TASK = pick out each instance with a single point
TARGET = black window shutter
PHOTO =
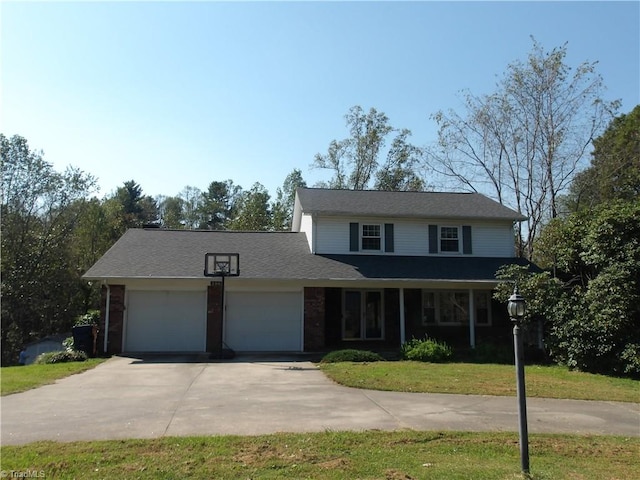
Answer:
(466, 240)
(433, 239)
(354, 237)
(388, 237)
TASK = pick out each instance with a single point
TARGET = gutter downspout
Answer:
(106, 316)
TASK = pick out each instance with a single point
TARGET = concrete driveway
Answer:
(134, 398)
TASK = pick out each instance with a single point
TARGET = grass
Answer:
(482, 379)
(19, 379)
(333, 455)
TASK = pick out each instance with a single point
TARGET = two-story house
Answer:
(360, 269)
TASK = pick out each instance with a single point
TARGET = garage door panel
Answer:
(166, 321)
(263, 321)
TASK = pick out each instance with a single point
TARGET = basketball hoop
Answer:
(222, 264)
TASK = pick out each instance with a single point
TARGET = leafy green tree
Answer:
(614, 173)
(595, 321)
(355, 161)
(219, 204)
(539, 289)
(282, 208)
(137, 209)
(524, 143)
(399, 173)
(253, 213)
(191, 205)
(171, 211)
(41, 208)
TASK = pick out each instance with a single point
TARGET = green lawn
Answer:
(333, 455)
(482, 379)
(19, 379)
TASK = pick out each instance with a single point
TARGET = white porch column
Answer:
(402, 325)
(472, 320)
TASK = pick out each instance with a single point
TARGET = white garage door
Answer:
(264, 321)
(166, 321)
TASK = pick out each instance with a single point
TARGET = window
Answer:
(454, 307)
(449, 239)
(370, 237)
(450, 307)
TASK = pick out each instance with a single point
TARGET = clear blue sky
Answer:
(171, 94)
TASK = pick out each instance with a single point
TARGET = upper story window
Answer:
(450, 239)
(371, 237)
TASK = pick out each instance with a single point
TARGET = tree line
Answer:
(525, 145)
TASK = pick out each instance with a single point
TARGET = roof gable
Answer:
(377, 203)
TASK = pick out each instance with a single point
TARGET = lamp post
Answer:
(516, 309)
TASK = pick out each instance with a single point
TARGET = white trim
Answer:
(403, 334)
(472, 319)
(458, 239)
(379, 237)
(106, 318)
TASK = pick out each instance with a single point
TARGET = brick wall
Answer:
(116, 319)
(314, 319)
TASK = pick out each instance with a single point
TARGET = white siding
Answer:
(332, 235)
(306, 226)
(493, 240)
(411, 237)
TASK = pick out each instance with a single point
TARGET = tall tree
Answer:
(524, 143)
(253, 213)
(219, 204)
(614, 173)
(191, 205)
(171, 212)
(282, 208)
(137, 209)
(597, 254)
(41, 287)
(399, 172)
(355, 160)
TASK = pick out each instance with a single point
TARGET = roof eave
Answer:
(328, 213)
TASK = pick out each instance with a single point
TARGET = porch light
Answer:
(516, 309)
(516, 306)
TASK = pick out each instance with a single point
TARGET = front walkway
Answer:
(132, 398)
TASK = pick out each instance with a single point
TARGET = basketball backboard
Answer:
(221, 265)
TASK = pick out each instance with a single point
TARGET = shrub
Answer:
(92, 317)
(426, 350)
(68, 344)
(351, 355)
(61, 357)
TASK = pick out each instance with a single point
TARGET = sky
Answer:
(174, 94)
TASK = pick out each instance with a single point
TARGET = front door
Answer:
(362, 317)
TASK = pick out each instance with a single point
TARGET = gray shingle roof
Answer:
(157, 253)
(403, 204)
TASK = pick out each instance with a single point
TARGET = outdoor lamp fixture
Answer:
(516, 306)
(516, 309)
